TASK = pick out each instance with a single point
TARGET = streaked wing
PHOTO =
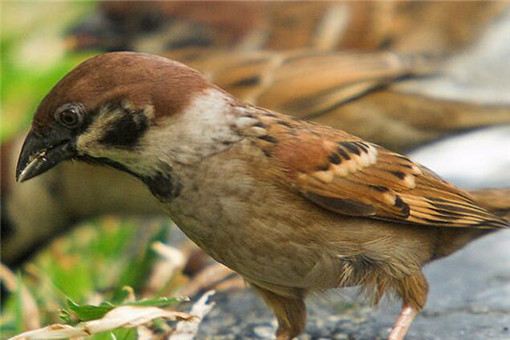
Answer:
(349, 176)
(304, 83)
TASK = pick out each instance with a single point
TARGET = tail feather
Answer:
(495, 200)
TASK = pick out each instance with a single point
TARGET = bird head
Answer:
(127, 110)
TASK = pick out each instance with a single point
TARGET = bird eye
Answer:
(69, 115)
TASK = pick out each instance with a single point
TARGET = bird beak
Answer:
(41, 153)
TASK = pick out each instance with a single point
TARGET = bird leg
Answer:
(290, 312)
(406, 317)
(413, 290)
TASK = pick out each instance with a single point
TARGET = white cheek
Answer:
(204, 128)
(88, 142)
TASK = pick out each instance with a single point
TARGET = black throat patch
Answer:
(165, 186)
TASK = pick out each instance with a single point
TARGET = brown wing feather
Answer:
(305, 82)
(347, 175)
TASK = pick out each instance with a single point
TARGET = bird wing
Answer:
(304, 83)
(350, 176)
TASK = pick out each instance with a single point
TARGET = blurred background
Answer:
(430, 79)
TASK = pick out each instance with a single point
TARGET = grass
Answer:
(91, 265)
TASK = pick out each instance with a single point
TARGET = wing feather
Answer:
(349, 176)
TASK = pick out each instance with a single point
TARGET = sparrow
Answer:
(365, 95)
(406, 26)
(292, 206)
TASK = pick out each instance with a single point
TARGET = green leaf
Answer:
(158, 302)
(136, 274)
(65, 316)
(89, 312)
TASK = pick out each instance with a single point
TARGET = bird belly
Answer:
(261, 248)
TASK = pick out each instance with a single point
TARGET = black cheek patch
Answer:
(125, 131)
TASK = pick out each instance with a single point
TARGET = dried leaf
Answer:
(91, 312)
(120, 317)
(188, 330)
